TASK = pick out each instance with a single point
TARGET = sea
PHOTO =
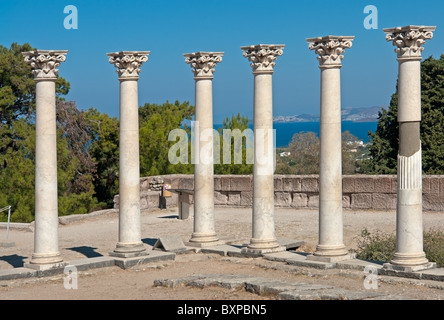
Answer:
(286, 130)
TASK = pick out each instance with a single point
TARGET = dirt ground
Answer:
(97, 236)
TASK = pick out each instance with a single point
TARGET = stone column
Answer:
(128, 65)
(203, 66)
(409, 254)
(44, 65)
(331, 247)
(262, 58)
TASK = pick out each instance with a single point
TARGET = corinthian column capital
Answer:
(44, 63)
(203, 63)
(263, 56)
(330, 49)
(409, 40)
(128, 63)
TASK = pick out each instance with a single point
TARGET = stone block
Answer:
(144, 184)
(361, 201)
(310, 184)
(430, 185)
(313, 201)
(348, 184)
(217, 183)
(383, 184)
(291, 184)
(246, 198)
(234, 198)
(241, 183)
(394, 184)
(278, 183)
(220, 198)
(143, 204)
(346, 201)
(364, 184)
(282, 199)
(384, 201)
(432, 202)
(224, 183)
(152, 199)
(300, 200)
(187, 182)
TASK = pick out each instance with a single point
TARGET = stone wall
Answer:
(376, 192)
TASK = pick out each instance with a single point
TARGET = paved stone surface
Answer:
(280, 289)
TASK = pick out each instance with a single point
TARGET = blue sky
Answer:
(171, 28)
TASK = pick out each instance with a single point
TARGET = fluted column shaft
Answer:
(203, 66)
(128, 68)
(46, 248)
(409, 225)
(329, 50)
(262, 58)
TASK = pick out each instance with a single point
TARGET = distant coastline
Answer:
(369, 114)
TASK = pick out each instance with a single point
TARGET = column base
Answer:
(409, 262)
(330, 253)
(394, 267)
(262, 246)
(129, 250)
(204, 240)
(45, 261)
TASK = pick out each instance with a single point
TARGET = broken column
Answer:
(203, 66)
(409, 254)
(44, 65)
(128, 65)
(262, 58)
(330, 247)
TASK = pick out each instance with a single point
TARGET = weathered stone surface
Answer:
(310, 184)
(234, 199)
(361, 201)
(246, 198)
(220, 198)
(313, 201)
(299, 200)
(385, 201)
(241, 183)
(282, 199)
(383, 184)
(365, 185)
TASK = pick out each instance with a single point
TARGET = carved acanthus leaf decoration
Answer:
(263, 57)
(330, 49)
(128, 63)
(409, 40)
(203, 63)
(44, 63)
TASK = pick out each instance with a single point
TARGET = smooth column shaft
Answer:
(204, 230)
(263, 167)
(330, 178)
(46, 206)
(129, 172)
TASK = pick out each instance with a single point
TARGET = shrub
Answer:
(379, 246)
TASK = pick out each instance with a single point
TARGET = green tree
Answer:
(104, 151)
(17, 142)
(17, 85)
(156, 123)
(234, 138)
(384, 142)
(302, 154)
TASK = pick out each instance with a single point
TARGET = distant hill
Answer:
(369, 114)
